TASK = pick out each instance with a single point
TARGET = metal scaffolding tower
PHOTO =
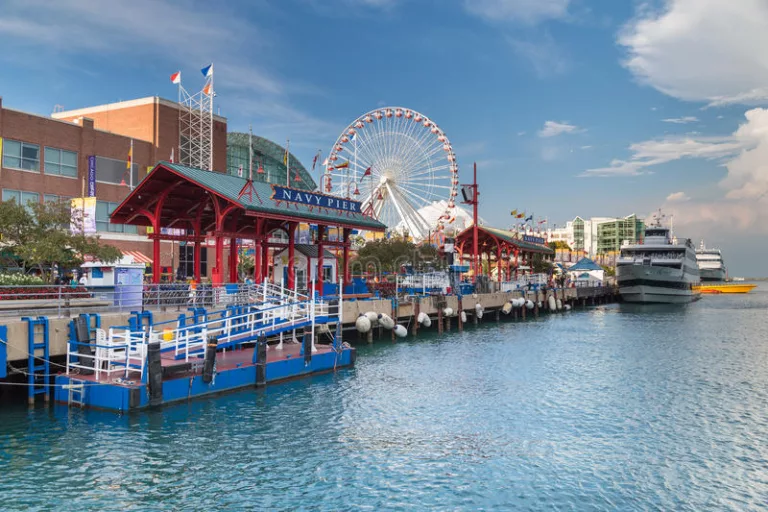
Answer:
(196, 124)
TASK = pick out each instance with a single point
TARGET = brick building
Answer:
(46, 159)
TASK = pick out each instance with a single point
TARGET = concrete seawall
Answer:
(59, 327)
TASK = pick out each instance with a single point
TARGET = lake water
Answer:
(611, 408)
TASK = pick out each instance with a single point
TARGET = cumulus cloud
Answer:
(701, 50)
(681, 120)
(677, 197)
(553, 128)
(525, 11)
(743, 204)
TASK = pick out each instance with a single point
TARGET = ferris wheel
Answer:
(396, 162)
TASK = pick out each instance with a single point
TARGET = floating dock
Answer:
(147, 364)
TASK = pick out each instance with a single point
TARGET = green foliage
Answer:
(539, 265)
(609, 271)
(39, 234)
(19, 280)
(389, 254)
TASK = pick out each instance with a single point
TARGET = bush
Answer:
(19, 280)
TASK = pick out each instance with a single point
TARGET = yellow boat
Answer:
(725, 288)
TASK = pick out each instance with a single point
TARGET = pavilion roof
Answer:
(509, 237)
(191, 186)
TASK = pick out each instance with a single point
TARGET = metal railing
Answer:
(66, 301)
(273, 310)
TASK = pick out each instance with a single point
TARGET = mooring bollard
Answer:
(416, 311)
(460, 311)
(439, 316)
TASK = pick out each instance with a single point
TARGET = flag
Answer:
(240, 171)
(176, 78)
(513, 213)
(342, 165)
(208, 89)
(543, 221)
(325, 162)
(314, 160)
(207, 70)
(172, 155)
(530, 217)
(366, 173)
(130, 157)
(353, 137)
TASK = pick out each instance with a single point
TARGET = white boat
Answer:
(711, 266)
(659, 269)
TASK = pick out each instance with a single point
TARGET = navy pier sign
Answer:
(534, 239)
(304, 197)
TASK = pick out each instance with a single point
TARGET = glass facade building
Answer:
(267, 157)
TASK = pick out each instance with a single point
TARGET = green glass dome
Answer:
(270, 156)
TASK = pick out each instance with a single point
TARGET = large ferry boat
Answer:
(659, 269)
(711, 266)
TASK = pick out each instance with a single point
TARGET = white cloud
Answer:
(656, 152)
(171, 33)
(743, 204)
(525, 11)
(702, 50)
(682, 120)
(554, 128)
(586, 147)
(677, 197)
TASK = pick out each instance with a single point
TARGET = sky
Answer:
(568, 107)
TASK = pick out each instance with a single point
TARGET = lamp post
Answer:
(470, 194)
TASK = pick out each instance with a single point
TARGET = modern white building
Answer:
(431, 214)
(597, 235)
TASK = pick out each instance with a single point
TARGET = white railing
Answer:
(273, 310)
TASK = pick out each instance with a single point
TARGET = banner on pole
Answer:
(92, 176)
(83, 216)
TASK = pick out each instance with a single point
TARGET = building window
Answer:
(21, 155)
(21, 197)
(61, 162)
(53, 198)
(103, 211)
(109, 170)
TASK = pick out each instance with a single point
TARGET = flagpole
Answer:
(288, 162)
(250, 152)
(130, 171)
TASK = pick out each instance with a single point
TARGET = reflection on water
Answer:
(620, 407)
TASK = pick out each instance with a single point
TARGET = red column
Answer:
(218, 270)
(345, 257)
(156, 253)
(197, 258)
(233, 260)
(264, 259)
(258, 274)
(517, 251)
(291, 254)
(320, 257)
(498, 263)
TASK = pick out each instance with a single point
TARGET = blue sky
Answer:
(570, 107)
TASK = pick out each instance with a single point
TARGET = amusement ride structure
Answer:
(395, 161)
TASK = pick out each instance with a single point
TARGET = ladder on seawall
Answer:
(38, 357)
(76, 392)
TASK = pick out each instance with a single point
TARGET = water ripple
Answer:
(616, 408)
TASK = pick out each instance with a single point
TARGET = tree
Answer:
(390, 253)
(39, 234)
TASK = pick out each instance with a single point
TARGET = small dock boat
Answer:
(716, 288)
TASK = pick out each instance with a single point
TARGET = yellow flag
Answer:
(513, 213)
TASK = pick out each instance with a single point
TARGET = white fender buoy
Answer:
(551, 303)
(567, 307)
(559, 304)
(400, 331)
(540, 304)
(507, 307)
(448, 311)
(424, 319)
(528, 304)
(479, 310)
(386, 321)
(520, 302)
(463, 317)
(372, 317)
(362, 324)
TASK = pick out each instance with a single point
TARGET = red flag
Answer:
(366, 173)
(314, 161)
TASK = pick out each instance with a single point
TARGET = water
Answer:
(615, 408)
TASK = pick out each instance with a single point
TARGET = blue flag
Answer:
(207, 70)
